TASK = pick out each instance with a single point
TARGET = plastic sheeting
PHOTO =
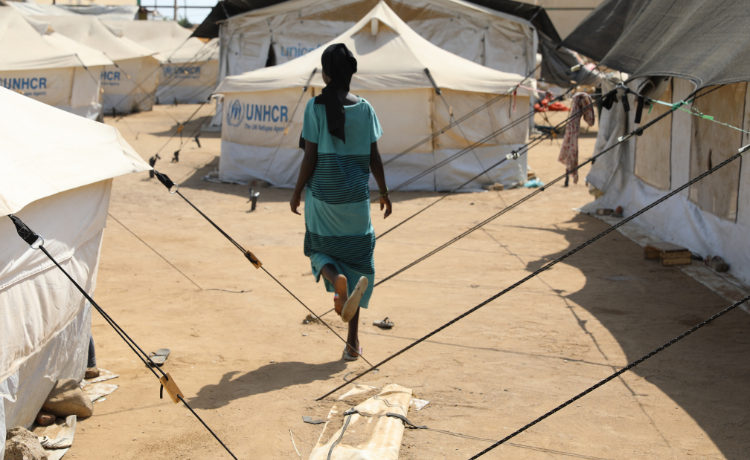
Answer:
(59, 184)
(694, 224)
(704, 41)
(368, 433)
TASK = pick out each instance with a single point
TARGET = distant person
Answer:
(340, 133)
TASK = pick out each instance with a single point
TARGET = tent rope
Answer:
(201, 51)
(154, 250)
(549, 265)
(174, 189)
(35, 241)
(512, 156)
(637, 132)
(613, 376)
(289, 123)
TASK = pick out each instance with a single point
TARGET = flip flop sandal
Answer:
(352, 303)
(159, 357)
(349, 357)
(383, 324)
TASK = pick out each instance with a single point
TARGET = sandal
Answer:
(352, 303)
(159, 357)
(346, 356)
(383, 324)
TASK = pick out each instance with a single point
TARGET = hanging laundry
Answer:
(569, 151)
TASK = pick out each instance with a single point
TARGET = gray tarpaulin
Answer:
(704, 41)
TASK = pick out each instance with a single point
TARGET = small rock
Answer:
(22, 444)
(45, 418)
(304, 334)
(273, 362)
(92, 373)
(67, 398)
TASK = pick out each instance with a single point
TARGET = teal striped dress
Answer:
(338, 229)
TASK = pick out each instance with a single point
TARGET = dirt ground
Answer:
(251, 369)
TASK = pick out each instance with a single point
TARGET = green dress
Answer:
(338, 229)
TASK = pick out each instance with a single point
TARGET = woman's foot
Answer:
(339, 299)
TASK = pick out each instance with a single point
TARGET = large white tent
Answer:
(128, 85)
(392, 60)
(285, 31)
(49, 67)
(59, 184)
(189, 67)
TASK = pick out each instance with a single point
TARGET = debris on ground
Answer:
(717, 263)
(57, 439)
(496, 187)
(604, 211)
(310, 319)
(44, 418)
(22, 444)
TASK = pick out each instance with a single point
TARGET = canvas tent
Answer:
(189, 67)
(392, 60)
(59, 184)
(289, 29)
(49, 67)
(131, 83)
(671, 49)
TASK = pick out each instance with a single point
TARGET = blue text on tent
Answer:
(296, 51)
(24, 83)
(237, 112)
(110, 75)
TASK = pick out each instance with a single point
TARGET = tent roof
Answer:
(36, 52)
(536, 15)
(172, 41)
(91, 32)
(89, 56)
(33, 8)
(71, 153)
(395, 58)
(705, 41)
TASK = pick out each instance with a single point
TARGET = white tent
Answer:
(712, 217)
(391, 75)
(49, 67)
(56, 172)
(285, 31)
(128, 85)
(189, 67)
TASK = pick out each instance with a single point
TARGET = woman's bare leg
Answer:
(353, 338)
(338, 281)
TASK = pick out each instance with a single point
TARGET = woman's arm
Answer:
(305, 171)
(376, 166)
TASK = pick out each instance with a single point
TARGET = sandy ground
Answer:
(251, 369)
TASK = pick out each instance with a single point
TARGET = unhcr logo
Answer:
(238, 112)
(234, 113)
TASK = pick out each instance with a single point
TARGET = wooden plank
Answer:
(665, 250)
(171, 387)
(682, 261)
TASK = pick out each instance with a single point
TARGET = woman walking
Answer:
(340, 133)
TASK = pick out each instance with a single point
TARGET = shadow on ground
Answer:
(707, 374)
(265, 379)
